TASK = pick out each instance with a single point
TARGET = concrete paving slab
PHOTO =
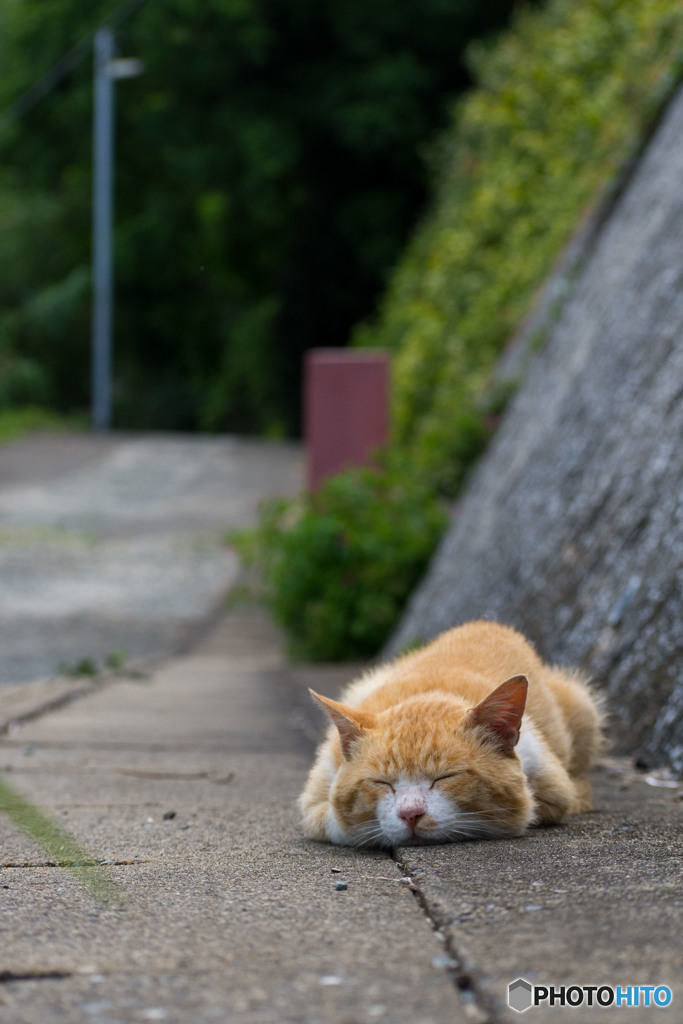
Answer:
(114, 545)
(597, 901)
(23, 700)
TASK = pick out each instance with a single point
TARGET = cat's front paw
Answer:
(552, 805)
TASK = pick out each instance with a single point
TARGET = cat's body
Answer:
(432, 748)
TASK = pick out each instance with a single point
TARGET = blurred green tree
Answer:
(269, 169)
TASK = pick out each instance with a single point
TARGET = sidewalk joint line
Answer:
(477, 1006)
(37, 975)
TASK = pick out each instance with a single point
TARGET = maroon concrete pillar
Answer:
(346, 408)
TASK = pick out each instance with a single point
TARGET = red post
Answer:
(346, 408)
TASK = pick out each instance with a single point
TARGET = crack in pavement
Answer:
(478, 1007)
(9, 976)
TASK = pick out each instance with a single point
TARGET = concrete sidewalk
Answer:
(113, 546)
(183, 786)
(228, 913)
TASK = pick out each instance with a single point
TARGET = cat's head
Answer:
(430, 769)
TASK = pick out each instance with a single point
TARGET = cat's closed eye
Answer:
(383, 782)
(447, 775)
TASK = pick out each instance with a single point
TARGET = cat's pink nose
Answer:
(411, 816)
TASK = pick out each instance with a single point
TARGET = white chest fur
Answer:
(530, 750)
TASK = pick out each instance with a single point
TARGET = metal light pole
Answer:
(103, 157)
(106, 71)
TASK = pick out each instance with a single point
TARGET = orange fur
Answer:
(428, 748)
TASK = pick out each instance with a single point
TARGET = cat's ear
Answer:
(501, 712)
(350, 722)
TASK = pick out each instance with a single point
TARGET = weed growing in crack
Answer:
(59, 845)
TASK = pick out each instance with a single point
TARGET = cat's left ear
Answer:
(350, 722)
(501, 712)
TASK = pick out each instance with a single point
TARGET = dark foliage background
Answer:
(270, 165)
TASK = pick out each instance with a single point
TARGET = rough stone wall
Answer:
(572, 526)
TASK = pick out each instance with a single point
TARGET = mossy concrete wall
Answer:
(571, 529)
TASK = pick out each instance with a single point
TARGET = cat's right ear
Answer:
(501, 713)
(350, 722)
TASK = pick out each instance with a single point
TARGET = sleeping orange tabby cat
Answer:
(472, 736)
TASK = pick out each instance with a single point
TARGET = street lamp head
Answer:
(125, 67)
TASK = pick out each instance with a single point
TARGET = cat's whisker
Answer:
(492, 815)
(463, 825)
(369, 833)
(474, 829)
(471, 825)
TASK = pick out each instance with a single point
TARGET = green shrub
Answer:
(338, 565)
(15, 422)
(562, 99)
